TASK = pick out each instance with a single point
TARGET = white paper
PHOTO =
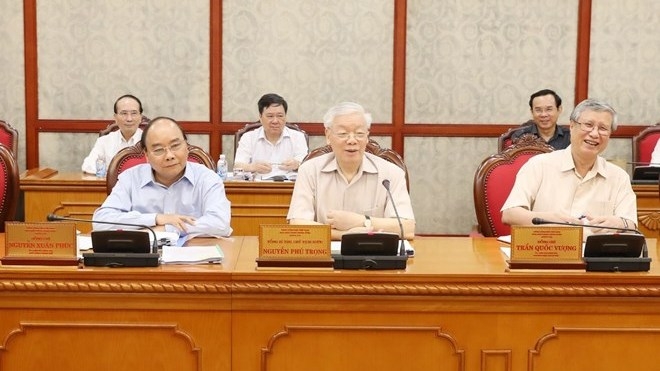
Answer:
(191, 254)
(83, 242)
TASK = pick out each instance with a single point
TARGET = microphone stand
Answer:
(402, 248)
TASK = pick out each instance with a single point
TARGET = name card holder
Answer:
(40, 244)
(294, 246)
(534, 247)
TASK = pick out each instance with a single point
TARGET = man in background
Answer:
(545, 106)
(273, 148)
(576, 185)
(344, 188)
(168, 192)
(128, 116)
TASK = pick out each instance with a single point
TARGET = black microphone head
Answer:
(52, 217)
(386, 184)
(537, 221)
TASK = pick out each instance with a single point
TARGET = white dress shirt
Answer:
(107, 146)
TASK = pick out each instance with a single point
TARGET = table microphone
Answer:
(53, 218)
(386, 184)
(538, 221)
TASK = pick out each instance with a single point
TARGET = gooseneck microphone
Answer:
(539, 221)
(154, 248)
(402, 248)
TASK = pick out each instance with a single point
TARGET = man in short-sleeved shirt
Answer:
(273, 149)
(575, 185)
(344, 188)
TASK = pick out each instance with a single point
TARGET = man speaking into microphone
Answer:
(576, 185)
(168, 193)
(345, 188)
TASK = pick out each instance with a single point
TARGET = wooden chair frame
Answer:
(488, 210)
(135, 155)
(9, 198)
(642, 156)
(372, 147)
(113, 126)
(11, 134)
(256, 125)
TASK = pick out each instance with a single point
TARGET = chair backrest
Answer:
(372, 147)
(644, 143)
(256, 125)
(9, 186)
(134, 155)
(494, 180)
(505, 141)
(9, 137)
(113, 126)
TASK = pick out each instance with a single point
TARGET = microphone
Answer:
(643, 163)
(386, 184)
(154, 248)
(538, 221)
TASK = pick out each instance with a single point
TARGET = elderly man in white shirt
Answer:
(128, 116)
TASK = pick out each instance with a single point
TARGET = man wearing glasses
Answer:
(273, 148)
(576, 185)
(128, 116)
(344, 188)
(168, 192)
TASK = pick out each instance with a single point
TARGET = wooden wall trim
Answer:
(215, 128)
(583, 50)
(31, 83)
(215, 140)
(399, 74)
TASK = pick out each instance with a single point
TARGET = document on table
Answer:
(192, 254)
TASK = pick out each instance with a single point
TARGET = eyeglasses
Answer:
(589, 126)
(344, 135)
(161, 151)
(128, 113)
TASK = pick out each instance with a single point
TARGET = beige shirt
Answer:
(548, 182)
(320, 188)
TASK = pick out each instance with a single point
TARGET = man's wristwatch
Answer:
(367, 221)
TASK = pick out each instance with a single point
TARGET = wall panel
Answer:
(625, 50)
(313, 53)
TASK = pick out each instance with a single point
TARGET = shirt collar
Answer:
(566, 164)
(148, 176)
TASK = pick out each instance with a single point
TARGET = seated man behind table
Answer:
(128, 116)
(168, 192)
(576, 185)
(344, 188)
(273, 149)
(545, 106)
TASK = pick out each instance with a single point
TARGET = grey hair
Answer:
(596, 106)
(345, 108)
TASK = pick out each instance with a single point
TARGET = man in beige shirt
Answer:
(344, 188)
(576, 185)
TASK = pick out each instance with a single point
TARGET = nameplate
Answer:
(534, 247)
(294, 246)
(40, 244)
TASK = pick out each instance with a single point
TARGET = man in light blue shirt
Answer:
(168, 193)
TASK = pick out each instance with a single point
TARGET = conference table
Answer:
(455, 307)
(77, 195)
